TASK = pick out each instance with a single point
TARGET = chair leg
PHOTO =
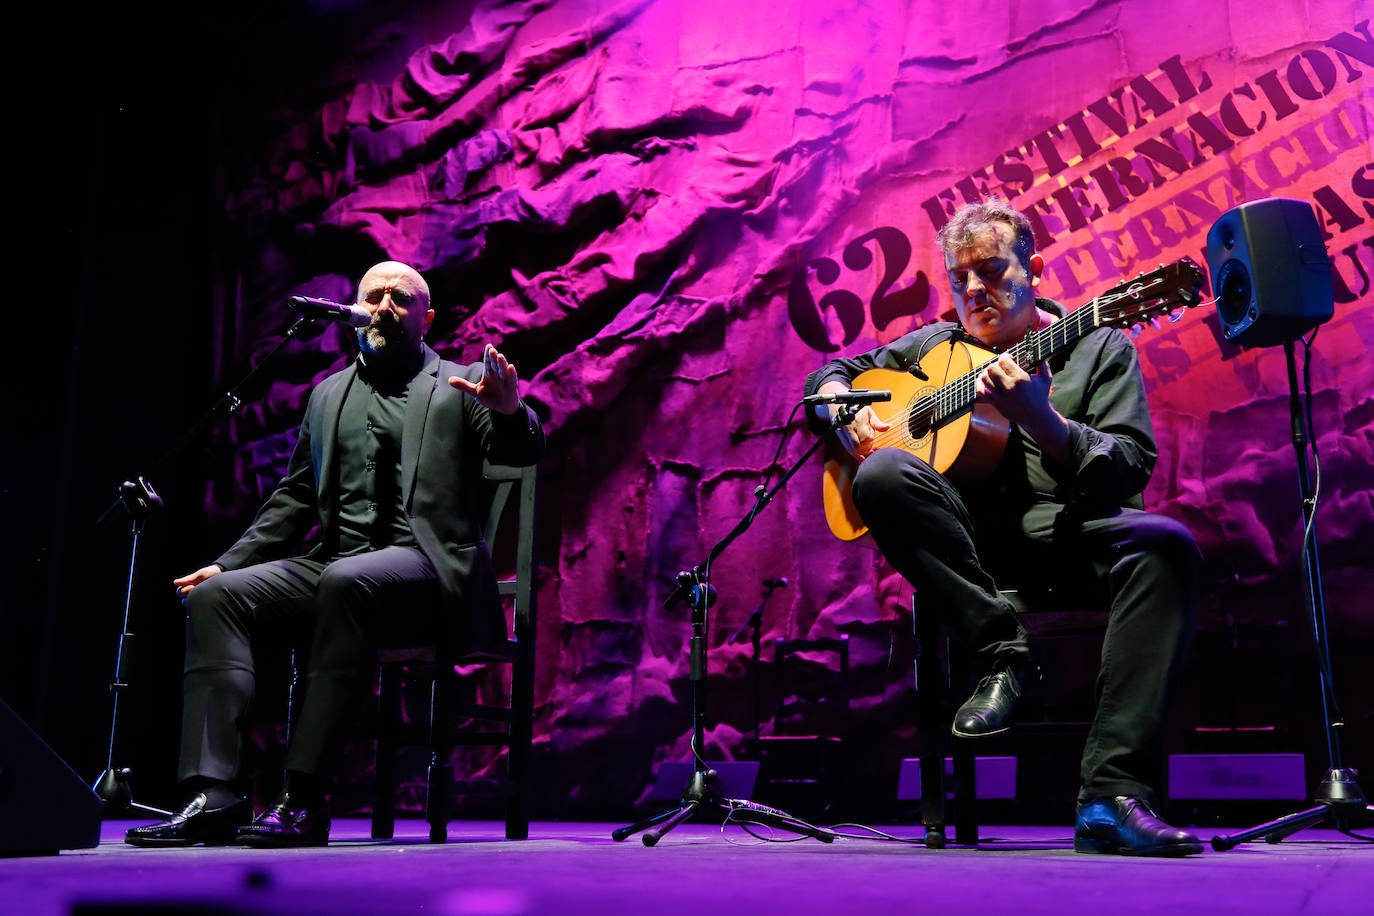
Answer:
(437, 785)
(293, 694)
(965, 795)
(964, 753)
(521, 738)
(930, 727)
(439, 777)
(384, 777)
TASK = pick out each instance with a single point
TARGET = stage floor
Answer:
(569, 868)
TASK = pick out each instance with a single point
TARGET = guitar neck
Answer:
(956, 397)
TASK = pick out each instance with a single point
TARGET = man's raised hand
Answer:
(499, 387)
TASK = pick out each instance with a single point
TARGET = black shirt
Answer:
(371, 507)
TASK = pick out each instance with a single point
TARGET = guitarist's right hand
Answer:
(865, 429)
(865, 426)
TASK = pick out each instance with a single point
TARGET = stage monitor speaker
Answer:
(1271, 274)
(1243, 777)
(44, 806)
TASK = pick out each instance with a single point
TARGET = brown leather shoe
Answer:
(194, 824)
(287, 824)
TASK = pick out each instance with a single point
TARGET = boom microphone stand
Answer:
(1339, 801)
(703, 788)
(139, 500)
(754, 623)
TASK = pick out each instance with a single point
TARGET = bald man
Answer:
(387, 473)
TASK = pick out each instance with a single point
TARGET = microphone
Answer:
(854, 396)
(323, 310)
(912, 367)
(775, 583)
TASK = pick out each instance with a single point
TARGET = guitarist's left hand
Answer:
(1024, 399)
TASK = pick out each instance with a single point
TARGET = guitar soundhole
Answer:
(918, 421)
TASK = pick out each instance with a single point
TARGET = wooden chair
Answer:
(468, 722)
(945, 677)
(802, 760)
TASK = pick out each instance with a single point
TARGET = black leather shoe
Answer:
(287, 824)
(194, 824)
(988, 711)
(1127, 826)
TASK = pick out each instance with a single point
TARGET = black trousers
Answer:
(344, 608)
(1148, 564)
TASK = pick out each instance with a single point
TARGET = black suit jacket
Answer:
(445, 437)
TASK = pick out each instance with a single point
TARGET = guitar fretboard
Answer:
(956, 397)
(1132, 302)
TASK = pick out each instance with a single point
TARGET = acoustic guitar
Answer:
(941, 421)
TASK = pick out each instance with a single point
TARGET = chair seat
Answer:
(1049, 613)
(506, 652)
(502, 652)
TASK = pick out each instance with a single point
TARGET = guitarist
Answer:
(1062, 508)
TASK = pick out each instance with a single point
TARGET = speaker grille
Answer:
(1235, 294)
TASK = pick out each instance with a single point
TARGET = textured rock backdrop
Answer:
(667, 212)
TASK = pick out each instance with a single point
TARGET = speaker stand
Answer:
(1339, 802)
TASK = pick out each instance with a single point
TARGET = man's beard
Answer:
(386, 341)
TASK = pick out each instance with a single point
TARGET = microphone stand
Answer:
(139, 500)
(703, 786)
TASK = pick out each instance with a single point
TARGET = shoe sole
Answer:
(155, 843)
(257, 842)
(1105, 847)
(958, 734)
(161, 844)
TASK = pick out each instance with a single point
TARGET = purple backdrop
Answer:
(667, 213)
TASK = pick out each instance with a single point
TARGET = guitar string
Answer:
(953, 397)
(957, 396)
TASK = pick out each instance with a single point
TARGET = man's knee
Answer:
(340, 587)
(1169, 539)
(886, 477)
(346, 606)
(210, 602)
(217, 634)
(1167, 555)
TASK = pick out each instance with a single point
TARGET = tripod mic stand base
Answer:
(703, 793)
(113, 786)
(1340, 803)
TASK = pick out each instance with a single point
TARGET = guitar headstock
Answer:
(1149, 295)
